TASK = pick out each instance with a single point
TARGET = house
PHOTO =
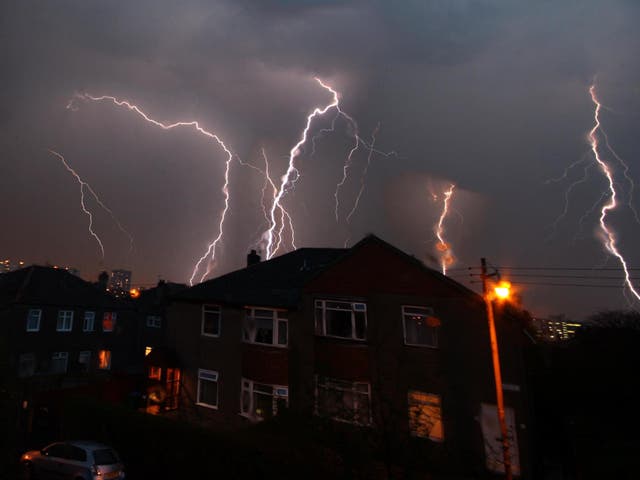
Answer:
(368, 338)
(61, 333)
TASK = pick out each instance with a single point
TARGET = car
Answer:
(73, 460)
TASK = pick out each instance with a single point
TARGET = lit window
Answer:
(343, 400)
(265, 326)
(147, 350)
(59, 361)
(420, 326)
(425, 415)
(65, 321)
(109, 321)
(207, 388)
(260, 401)
(84, 360)
(211, 320)
(341, 319)
(154, 321)
(26, 365)
(33, 319)
(155, 373)
(89, 321)
(104, 359)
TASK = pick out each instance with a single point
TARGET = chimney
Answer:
(103, 280)
(253, 258)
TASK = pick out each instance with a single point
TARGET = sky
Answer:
(491, 96)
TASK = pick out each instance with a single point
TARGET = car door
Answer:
(51, 463)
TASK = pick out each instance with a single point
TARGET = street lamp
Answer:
(501, 291)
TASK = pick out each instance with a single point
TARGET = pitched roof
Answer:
(277, 282)
(37, 285)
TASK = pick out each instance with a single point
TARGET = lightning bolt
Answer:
(211, 248)
(286, 181)
(446, 254)
(609, 237)
(363, 178)
(84, 185)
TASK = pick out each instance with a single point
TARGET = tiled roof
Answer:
(277, 282)
(37, 285)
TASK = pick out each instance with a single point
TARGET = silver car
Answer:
(74, 461)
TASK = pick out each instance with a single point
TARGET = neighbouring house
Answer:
(368, 338)
(62, 333)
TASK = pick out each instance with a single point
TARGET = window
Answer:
(420, 326)
(65, 321)
(88, 324)
(154, 321)
(343, 400)
(109, 321)
(265, 326)
(59, 361)
(33, 319)
(155, 373)
(26, 365)
(207, 388)
(425, 415)
(104, 359)
(260, 401)
(341, 319)
(211, 320)
(84, 360)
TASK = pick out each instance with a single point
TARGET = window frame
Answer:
(21, 361)
(30, 328)
(429, 312)
(248, 386)
(59, 356)
(211, 308)
(89, 319)
(108, 355)
(321, 323)
(154, 321)
(63, 317)
(249, 335)
(85, 366)
(216, 380)
(335, 385)
(114, 318)
(411, 402)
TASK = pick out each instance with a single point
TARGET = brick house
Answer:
(367, 337)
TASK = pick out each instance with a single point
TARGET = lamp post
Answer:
(502, 291)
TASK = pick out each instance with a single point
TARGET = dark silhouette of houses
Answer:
(367, 338)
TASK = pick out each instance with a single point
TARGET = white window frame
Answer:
(87, 355)
(65, 321)
(22, 358)
(114, 318)
(320, 305)
(61, 356)
(356, 388)
(249, 330)
(34, 314)
(154, 321)
(211, 309)
(428, 312)
(411, 401)
(252, 388)
(213, 377)
(89, 321)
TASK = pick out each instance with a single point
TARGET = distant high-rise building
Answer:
(8, 265)
(120, 281)
(555, 329)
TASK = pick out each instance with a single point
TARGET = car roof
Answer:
(89, 444)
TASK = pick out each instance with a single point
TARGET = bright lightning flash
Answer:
(211, 249)
(444, 248)
(611, 204)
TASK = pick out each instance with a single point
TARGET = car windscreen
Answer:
(105, 456)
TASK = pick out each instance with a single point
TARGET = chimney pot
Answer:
(253, 258)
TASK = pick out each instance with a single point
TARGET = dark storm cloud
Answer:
(488, 94)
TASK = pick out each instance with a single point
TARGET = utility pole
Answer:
(497, 375)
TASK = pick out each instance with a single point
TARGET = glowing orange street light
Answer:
(134, 293)
(501, 291)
